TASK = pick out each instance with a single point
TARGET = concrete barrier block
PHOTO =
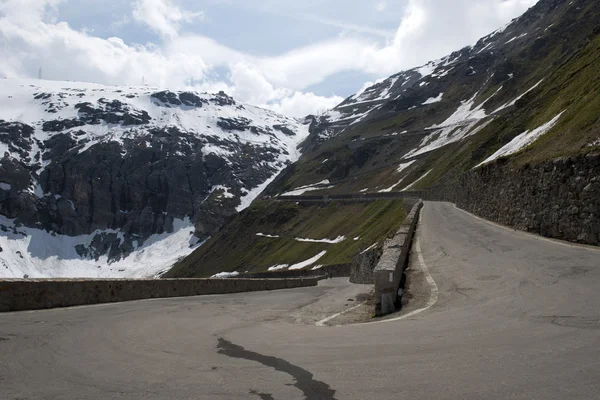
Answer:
(388, 272)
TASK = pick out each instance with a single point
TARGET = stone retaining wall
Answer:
(17, 295)
(363, 265)
(558, 199)
(389, 271)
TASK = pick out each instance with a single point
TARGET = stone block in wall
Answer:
(363, 264)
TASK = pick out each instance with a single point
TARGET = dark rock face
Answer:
(284, 129)
(558, 199)
(17, 136)
(114, 177)
(164, 176)
(111, 112)
(167, 98)
(234, 124)
(61, 124)
(221, 99)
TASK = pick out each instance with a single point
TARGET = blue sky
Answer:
(296, 57)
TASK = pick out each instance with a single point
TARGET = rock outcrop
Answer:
(125, 164)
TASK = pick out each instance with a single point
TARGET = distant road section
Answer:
(517, 317)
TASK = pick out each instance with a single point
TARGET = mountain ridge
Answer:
(519, 81)
(123, 168)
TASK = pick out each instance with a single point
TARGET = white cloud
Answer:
(162, 16)
(348, 27)
(32, 36)
(381, 5)
(302, 104)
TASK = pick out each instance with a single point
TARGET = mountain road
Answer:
(516, 317)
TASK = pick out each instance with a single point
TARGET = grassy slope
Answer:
(236, 246)
(565, 54)
(573, 86)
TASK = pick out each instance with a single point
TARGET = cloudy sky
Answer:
(297, 57)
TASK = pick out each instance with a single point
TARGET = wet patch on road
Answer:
(489, 278)
(572, 321)
(304, 381)
(263, 396)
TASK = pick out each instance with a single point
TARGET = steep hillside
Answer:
(277, 236)
(100, 181)
(528, 92)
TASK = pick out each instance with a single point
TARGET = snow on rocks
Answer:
(523, 140)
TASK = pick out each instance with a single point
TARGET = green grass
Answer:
(237, 248)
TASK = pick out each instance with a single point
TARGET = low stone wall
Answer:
(335, 271)
(407, 196)
(389, 271)
(558, 199)
(363, 266)
(17, 295)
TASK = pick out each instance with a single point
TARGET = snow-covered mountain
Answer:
(106, 181)
(527, 90)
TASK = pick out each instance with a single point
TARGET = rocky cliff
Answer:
(123, 181)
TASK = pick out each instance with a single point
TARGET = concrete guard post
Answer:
(388, 272)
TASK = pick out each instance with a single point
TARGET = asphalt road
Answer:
(517, 318)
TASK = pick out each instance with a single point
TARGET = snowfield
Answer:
(32, 252)
(35, 253)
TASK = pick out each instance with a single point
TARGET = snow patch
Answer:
(225, 275)
(268, 236)
(279, 267)
(523, 140)
(432, 100)
(371, 247)
(339, 239)
(412, 185)
(310, 188)
(41, 254)
(516, 38)
(5, 186)
(512, 103)
(400, 169)
(456, 127)
(308, 262)
(427, 69)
